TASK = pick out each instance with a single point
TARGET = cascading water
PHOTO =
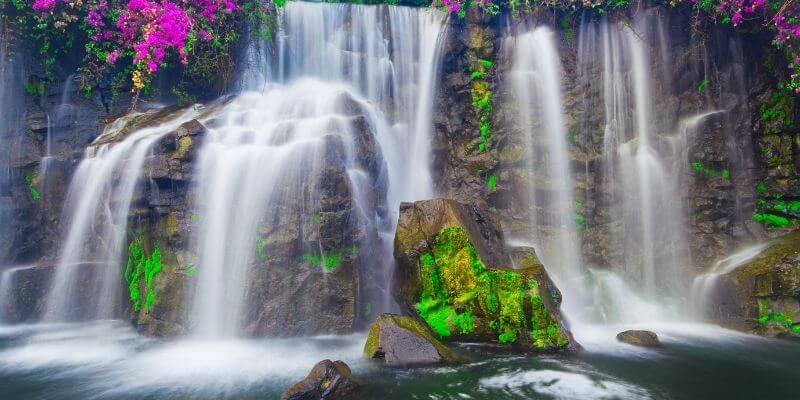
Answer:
(96, 217)
(537, 80)
(642, 170)
(269, 147)
(705, 286)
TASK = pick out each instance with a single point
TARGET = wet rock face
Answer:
(763, 295)
(399, 341)
(24, 295)
(309, 272)
(639, 338)
(453, 274)
(328, 380)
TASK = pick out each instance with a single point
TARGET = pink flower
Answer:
(111, 58)
(44, 5)
(204, 35)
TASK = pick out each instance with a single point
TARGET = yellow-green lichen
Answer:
(457, 288)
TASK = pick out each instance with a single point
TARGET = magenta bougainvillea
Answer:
(139, 37)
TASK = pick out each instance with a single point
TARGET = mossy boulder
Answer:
(397, 340)
(763, 295)
(454, 273)
(328, 380)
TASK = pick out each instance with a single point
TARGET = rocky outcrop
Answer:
(454, 273)
(23, 293)
(401, 341)
(639, 338)
(763, 295)
(328, 380)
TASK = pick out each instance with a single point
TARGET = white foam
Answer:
(563, 385)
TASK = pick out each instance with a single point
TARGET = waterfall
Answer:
(96, 217)
(640, 176)
(61, 117)
(343, 74)
(705, 286)
(537, 78)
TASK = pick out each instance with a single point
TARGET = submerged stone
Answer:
(397, 340)
(639, 338)
(328, 380)
(443, 248)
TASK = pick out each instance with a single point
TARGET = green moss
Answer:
(781, 320)
(703, 85)
(778, 109)
(457, 287)
(491, 182)
(260, 251)
(773, 221)
(139, 266)
(32, 180)
(710, 172)
(329, 260)
(482, 97)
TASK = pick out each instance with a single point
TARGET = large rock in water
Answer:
(328, 380)
(400, 340)
(455, 274)
(763, 295)
(639, 338)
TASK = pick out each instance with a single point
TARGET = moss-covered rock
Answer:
(397, 340)
(763, 295)
(443, 249)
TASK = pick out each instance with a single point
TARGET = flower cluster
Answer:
(781, 17)
(141, 37)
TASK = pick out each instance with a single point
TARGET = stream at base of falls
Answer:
(108, 360)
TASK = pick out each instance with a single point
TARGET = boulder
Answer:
(455, 274)
(639, 338)
(328, 380)
(397, 340)
(762, 296)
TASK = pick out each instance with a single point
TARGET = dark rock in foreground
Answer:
(397, 340)
(454, 273)
(639, 338)
(328, 380)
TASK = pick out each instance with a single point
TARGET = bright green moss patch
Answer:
(774, 211)
(260, 251)
(703, 85)
(458, 289)
(482, 100)
(772, 220)
(710, 172)
(139, 266)
(491, 182)
(329, 260)
(32, 180)
(783, 320)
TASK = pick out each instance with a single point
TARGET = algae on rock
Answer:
(443, 249)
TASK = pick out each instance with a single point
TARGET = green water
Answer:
(107, 360)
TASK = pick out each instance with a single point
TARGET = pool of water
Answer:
(108, 360)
